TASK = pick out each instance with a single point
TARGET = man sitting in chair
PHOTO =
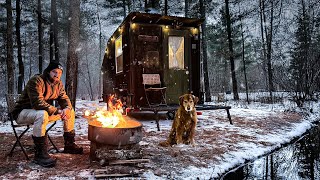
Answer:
(35, 107)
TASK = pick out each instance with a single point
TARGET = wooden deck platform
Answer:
(170, 109)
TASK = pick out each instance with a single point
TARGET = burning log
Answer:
(108, 116)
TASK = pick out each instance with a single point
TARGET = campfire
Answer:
(108, 116)
(109, 130)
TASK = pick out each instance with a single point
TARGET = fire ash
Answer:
(105, 117)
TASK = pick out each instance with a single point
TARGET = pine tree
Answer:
(304, 65)
(218, 47)
(300, 56)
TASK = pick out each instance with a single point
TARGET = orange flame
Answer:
(107, 117)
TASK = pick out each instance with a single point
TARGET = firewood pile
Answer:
(120, 162)
(122, 168)
(108, 155)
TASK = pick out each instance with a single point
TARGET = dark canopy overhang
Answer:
(147, 18)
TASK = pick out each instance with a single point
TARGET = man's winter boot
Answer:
(69, 145)
(41, 155)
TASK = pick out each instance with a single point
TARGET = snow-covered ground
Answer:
(257, 130)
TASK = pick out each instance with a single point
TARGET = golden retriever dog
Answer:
(184, 123)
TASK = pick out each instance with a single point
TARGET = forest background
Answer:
(247, 45)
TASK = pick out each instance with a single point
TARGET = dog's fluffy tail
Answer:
(164, 143)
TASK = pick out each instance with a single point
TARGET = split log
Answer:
(114, 175)
(117, 172)
(130, 161)
(118, 154)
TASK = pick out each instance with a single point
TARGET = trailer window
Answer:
(119, 55)
(176, 52)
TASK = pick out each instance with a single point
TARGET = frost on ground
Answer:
(256, 130)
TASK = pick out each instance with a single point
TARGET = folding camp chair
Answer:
(11, 99)
(152, 83)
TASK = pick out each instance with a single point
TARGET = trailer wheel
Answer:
(171, 114)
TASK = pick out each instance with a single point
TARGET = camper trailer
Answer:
(152, 58)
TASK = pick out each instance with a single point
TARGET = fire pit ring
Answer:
(129, 134)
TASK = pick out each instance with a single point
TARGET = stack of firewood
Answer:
(122, 168)
(120, 162)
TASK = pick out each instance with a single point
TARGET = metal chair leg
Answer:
(18, 142)
(163, 97)
(147, 99)
(54, 146)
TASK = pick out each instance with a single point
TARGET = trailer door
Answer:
(176, 73)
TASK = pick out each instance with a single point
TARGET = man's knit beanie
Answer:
(53, 65)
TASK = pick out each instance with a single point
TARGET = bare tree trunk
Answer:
(153, 3)
(30, 69)
(204, 52)
(272, 177)
(73, 59)
(140, 4)
(30, 57)
(129, 4)
(267, 44)
(165, 7)
(231, 54)
(124, 8)
(145, 5)
(21, 66)
(10, 60)
(269, 51)
(244, 62)
(40, 36)
(89, 77)
(100, 44)
(267, 167)
(54, 18)
(100, 31)
(225, 84)
(262, 22)
(51, 43)
(186, 8)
